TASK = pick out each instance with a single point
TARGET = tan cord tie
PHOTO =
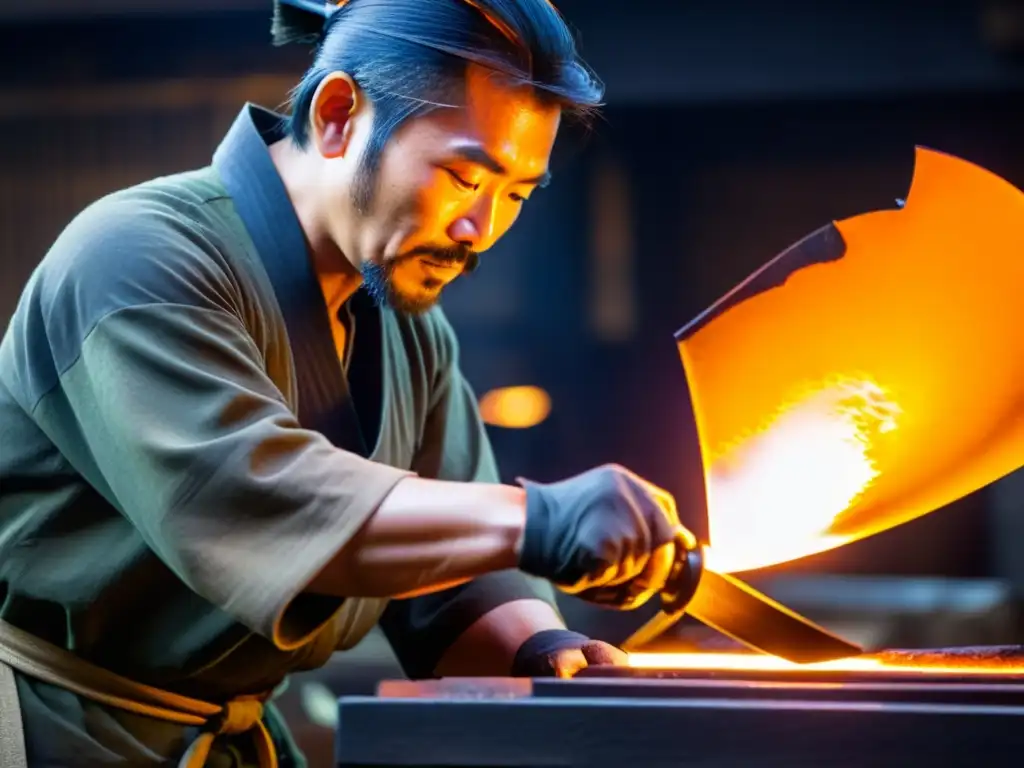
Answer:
(239, 716)
(44, 661)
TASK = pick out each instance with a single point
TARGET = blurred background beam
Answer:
(158, 96)
(655, 51)
(48, 10)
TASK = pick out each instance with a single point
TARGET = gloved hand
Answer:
(561, 653)
(606, 536)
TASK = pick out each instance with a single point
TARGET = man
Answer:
(235, 432)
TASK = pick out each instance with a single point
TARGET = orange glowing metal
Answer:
(867, 376)
(821, 444)
(880, 663)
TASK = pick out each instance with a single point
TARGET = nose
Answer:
(464, 232)
(475, 228)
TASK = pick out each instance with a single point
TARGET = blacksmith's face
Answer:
(448, 186)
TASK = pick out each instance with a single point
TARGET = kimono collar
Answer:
(248, 173)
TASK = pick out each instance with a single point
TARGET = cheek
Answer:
(438, 196)
(505, 217)
(437, 205)
(408, 213)
(407, 184)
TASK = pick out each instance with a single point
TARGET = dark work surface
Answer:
(598, 723)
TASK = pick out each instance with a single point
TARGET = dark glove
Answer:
(605, 536)
(561, 653)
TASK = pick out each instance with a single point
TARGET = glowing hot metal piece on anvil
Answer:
(868, 375)
(910, 664)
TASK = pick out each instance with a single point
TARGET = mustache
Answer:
(448, 256)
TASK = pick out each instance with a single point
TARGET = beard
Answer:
(380, 285)
(378, 278)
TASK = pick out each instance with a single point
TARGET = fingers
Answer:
(599, 654)
(606, 536)
(646, 569)
(615, 574)
(647, 573)
(637, 590)
(628, 568)
(638, 575)
(663, 499)
(568, 662)
(651, 580)
(597, 581)
(594, 654)
(633, 592)
(621, 575)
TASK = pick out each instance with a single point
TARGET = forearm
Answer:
(429, 535)
(490, 644)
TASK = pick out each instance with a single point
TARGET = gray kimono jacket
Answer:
(181, 452)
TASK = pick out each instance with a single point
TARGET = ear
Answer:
(336, 102)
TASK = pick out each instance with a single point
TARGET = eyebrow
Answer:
(479, 156)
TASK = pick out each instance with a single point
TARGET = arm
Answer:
(150, 384)
(478, 626)
(429, 535)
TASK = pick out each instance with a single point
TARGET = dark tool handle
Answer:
(685, 575)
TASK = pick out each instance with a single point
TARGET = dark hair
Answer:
(410, 56)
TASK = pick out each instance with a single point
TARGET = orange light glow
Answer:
(868, 389)
(822, 445)
(515, 407)
(742, 662)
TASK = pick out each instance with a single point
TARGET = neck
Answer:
(337, 276)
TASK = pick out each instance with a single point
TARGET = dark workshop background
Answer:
(732, 129)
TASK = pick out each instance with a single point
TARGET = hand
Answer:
(561, 653)
(606, 536)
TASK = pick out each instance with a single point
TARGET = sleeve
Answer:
(455, 446)
(163, 403)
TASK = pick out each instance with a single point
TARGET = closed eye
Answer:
(459, 181)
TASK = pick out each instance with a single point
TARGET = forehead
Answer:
(510, 123)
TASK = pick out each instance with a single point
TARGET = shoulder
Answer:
(155, 243)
